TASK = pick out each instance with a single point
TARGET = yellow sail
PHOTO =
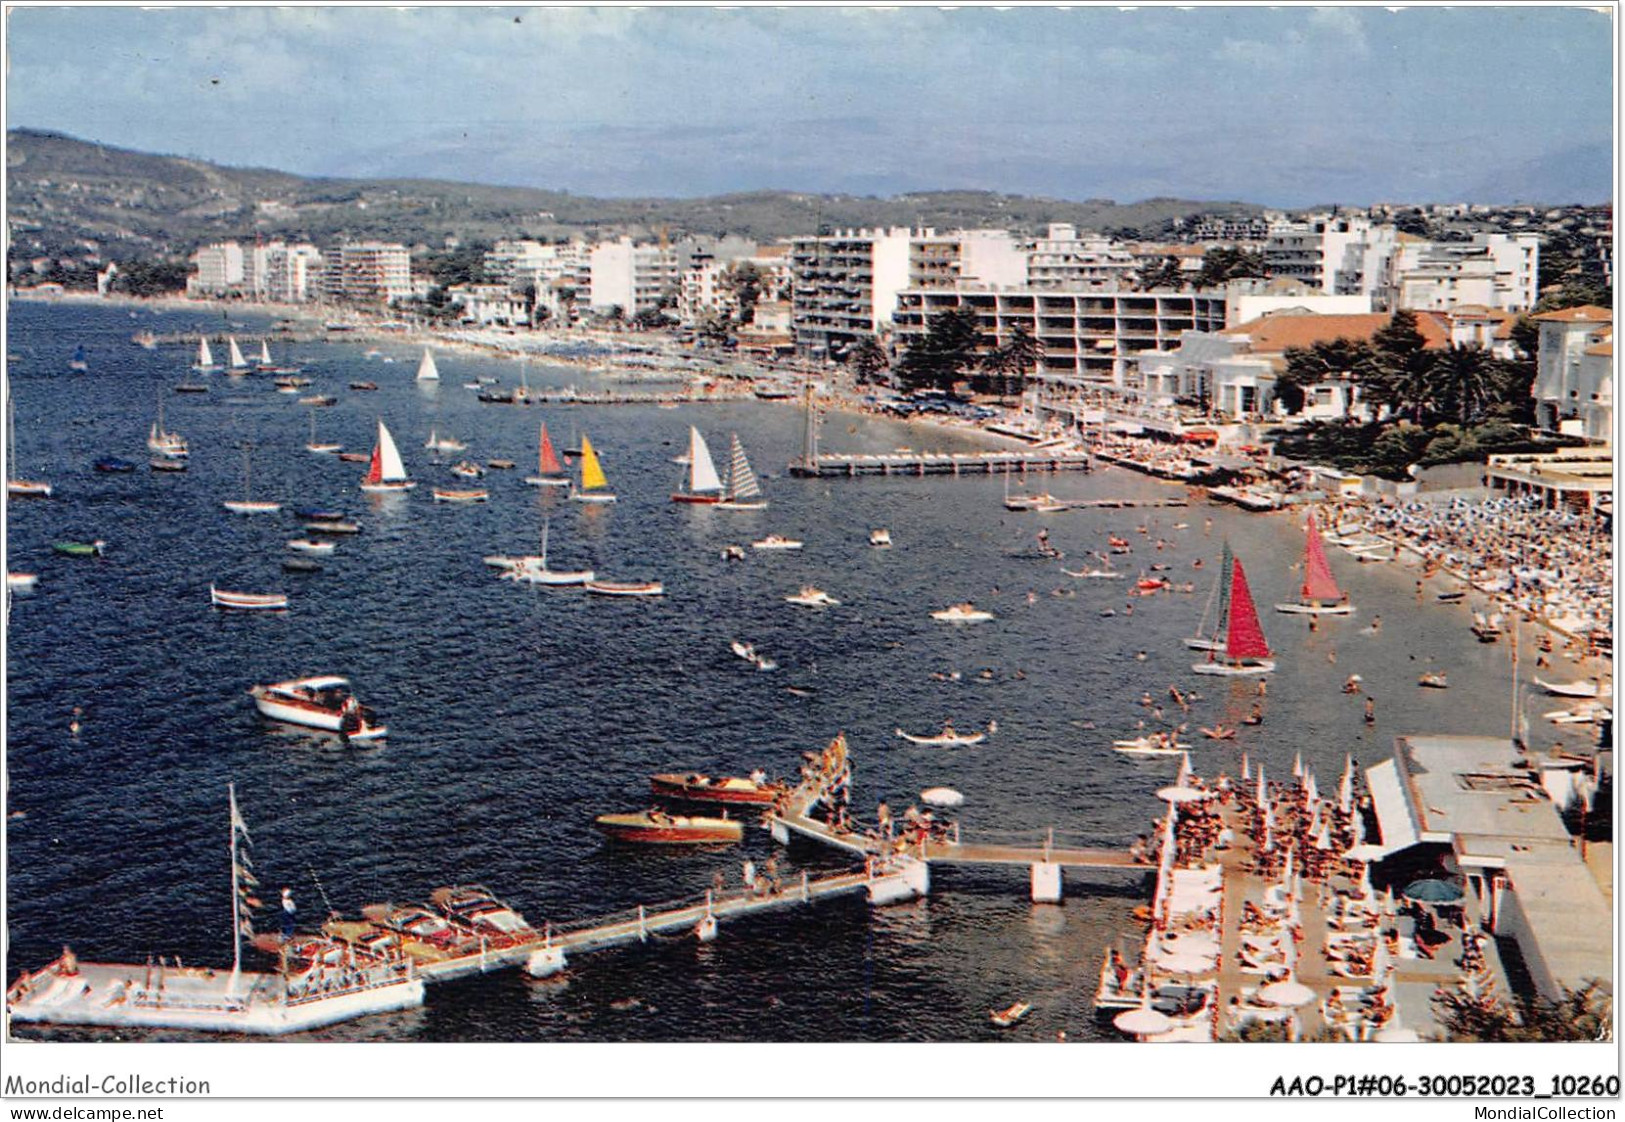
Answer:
(592, 475)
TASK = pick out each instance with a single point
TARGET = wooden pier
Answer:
(851, 464)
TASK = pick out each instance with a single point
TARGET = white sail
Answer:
(427, 371)
(205, 357)
(702, 472)
(389, 458)
(237, 359)
(265, 353)
(741, 480)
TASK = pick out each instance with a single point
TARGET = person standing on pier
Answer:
(289, 910)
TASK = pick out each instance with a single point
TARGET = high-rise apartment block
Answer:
(368, 273)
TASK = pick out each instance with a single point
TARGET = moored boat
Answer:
(456, 495)
(386, 473)
(962, 613)
(438, 443)
(626, 588)
(21, 582)
(1012, 1015)
(727, 790)
(1245, 650)
(811, 597)
(306, 545)
(331, 526)
(113, 465)
(948, 737)
(656, 827)
(776, 541)
(322, 702)
(246, 504)
(703, 484)
(1319, 595)
(248, 601)
(80, 549)
(880, 538)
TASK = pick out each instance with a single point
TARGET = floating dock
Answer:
(849, 464)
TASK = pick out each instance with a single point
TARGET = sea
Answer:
(518, 713)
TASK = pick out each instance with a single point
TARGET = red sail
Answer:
(548, 462)
(1319, 586)
(1246, 637)
(375, 470)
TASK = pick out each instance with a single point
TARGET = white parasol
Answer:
(1185, 963)
(1366, 853)
(1288, 992)
(941, 796)
(1397, 1034)
(1246, 767)
(1345, 789)
(1177, 795)
(1144, 1021)
(1297, 766)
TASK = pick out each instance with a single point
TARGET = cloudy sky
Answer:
(1291, 106)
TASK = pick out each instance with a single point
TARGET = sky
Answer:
(1291, 106)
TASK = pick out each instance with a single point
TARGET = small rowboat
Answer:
(354, 457)
(448, 495)
(80, 549)
(656, 827)
(695, 788)
(191, 387)
(322, 449)
(299, 565)
(776, 541)
(319, 399)
(327, 526)
(946, 738)
(467, 469)
(248, 601)
(499, 465)
(307, 545)
(1012, 1015)
(626, 588)
(314, 514)
(28, 488)
(363, 386)
(251, 506)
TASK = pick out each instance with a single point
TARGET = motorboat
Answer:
(962, 613)
(776, 541)
(1011, 1015)
(248, 601)
(477, 908)
(626, 588)
(812, 598)
(1156, 745)
(308, 545)
(80, 549)
(881, 538)
(656, 827)
(159, 463)
(21, 582)
(727, 790)
(414, 921)
(322, 702)
(947, 738)
(459, 495)
(437, 443)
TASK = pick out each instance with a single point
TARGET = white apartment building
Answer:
(552, 271)
(632, 277)
(284, 274)
(368, 273)
(219, 270)
(1085, 337)
(1062, 261)
(489, 304)
(1314, 251)
(1566, 383)
(1494, 270)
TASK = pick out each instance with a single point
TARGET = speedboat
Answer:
(308, 545)
(323, 702)
(80, 549)
(812, 597)
(534, 570)
(880, 539)
(962, 613)
(776, 541)
(414, 921)
(626, 588)
(656, 827)
(475, 907)
(946, 738)
(1568, 689)
(732, 790)
(248, 601)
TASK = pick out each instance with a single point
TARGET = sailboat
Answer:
(170, 445)
(205, 363)
(439, 443)
(1205, 640)
(319, 447)
(247, 505)
(78, 363)
(20, 488)
(239, 364)
(594, 485)
(742, 492)
(549, 471)
(387, 474)
(534, 570)
(1320, 595)
(1245, 651)
(704, 485)
(427, 371)
(266, 366)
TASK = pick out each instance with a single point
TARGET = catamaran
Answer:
(20, 488)
(594, 485)
(247, 504)
(171, 445)
(742, 491)
(205, 363)
(1205, 640)
(386, 474)
(427, 371)
(1320, 595)
(1245, 651)
(549, 471)
(704, 485)
(239, 364)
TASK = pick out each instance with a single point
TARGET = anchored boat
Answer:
(386, 473)
(594, 484)
(726, 790)
(1320, 595)
(248, 601)
(549, 471)
(703, 483)
(1245, 651)
(323, 702)
(656, 827)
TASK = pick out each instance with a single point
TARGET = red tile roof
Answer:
(1586, 313)
(1273, 334)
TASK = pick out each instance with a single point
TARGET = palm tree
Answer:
(1465, 380)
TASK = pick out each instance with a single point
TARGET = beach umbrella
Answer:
(1365, 853)
(941, 796)
(1323, 840)
(1311, 791)
(1202, 943)
(1184, 963)
(1397, 1034)
(1246, 767)
(1432, 892)
(1263, 792)
(1177, 795)
(1184, 767)
(1144, 1021)
(1297, 766)
(1345, 789)
(1269, 830)
(1288, 992)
